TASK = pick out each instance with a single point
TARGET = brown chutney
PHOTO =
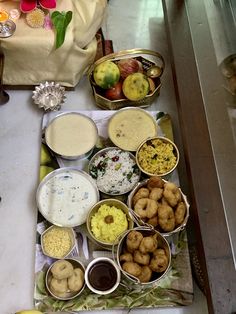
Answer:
(102, 276)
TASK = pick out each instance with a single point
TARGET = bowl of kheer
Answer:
(71, 135)
(129, 127)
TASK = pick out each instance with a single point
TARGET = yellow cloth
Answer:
(30, 54)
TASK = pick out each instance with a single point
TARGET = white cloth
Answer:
(30, 54)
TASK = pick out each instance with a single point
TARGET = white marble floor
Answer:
(133, 23)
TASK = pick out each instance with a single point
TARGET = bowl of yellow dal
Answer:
(107, 220)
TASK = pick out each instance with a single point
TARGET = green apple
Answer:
(44, 170)
(45, 156)
(29, 312)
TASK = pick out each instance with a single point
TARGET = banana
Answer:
(29, 312)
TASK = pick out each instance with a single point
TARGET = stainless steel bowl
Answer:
(51, 198)
(116, 185)
(63, 137)
(140, 222)
(164, 140)
(94, 209)
(162, 243)
(102, 275)
(127, 129)
(69, 294)
(71, 235)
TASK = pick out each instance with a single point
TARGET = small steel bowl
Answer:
(148, 142)
(56, 241)
(112, 177)
(102, 271)
(69, 294)
(125, 128)
(50, 197)
(7, 28)
(94, 209)
(140, 222)
(162, 243)
(71, 135)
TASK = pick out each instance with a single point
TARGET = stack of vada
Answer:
(160, 204)
(142, 256)
(65, 279)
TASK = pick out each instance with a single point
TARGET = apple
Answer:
(115, 92)
(129, 66)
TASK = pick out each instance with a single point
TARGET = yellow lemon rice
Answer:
(157, 157)
(108, 222)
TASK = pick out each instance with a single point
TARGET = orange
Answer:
(3, 15)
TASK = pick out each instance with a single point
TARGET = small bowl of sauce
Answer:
(102, 275)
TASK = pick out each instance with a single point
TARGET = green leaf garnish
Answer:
(60, 21)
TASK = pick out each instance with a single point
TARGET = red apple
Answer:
(115, 92)
(129, 66)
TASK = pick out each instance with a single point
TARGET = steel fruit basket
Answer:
(153, 58)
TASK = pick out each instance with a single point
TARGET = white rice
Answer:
(116, 176)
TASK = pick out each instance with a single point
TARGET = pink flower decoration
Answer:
(47, 22)
(48, 4)
(29, 5)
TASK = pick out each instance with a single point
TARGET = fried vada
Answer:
(148, 244)
(133, 240)
(155, 182)
(76, 281)
(142, 193)
(141, 258)
(166, 218)
(180, 213)
(132, 268)
(126, 257)
(153, 221)
(62, 269)
(159, 263)
(171, 193)
(59, 286)
(156, 194)
(146, 207)
(146, 274)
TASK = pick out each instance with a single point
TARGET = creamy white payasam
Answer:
(66, 197)
(128, 128)
(71, 135)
